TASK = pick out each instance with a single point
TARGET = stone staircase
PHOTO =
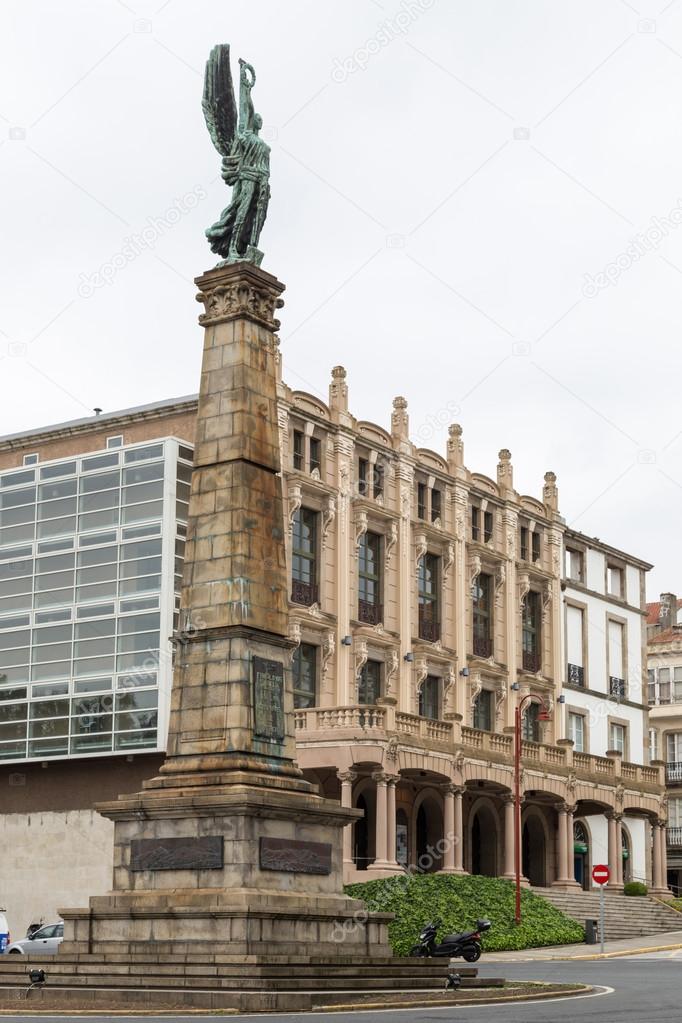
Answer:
(624, 916)
(245, 983)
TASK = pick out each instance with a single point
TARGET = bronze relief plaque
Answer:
(177, 853)
(295, 857)
(268, 699)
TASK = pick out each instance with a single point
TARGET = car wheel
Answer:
(14, 952)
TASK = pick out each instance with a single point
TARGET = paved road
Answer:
(646, 988)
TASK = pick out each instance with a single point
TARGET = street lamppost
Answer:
(542, 716)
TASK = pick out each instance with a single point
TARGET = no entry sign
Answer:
(600, 874)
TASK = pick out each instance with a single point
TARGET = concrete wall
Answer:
(52, 861)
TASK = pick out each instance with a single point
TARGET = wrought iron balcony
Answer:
(616, 686)
(369, 613)
(532, 660)
(304, 593)
(483, 646)
(575, 675)
(429, 626)
(673, 773)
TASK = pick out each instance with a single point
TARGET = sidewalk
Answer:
(626, 946)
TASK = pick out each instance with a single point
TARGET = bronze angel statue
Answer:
(246, 158)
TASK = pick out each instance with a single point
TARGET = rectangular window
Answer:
(31, 459)
(483, 711)
(475, 522)
(531, 637)
(675, 817)
(664, 685)
(674, 750)
(617, 736)
(616, 640)
(429, 597)
(429, 698)
(315, 457)
(369, 683)
(576, 732)
(363, 477)
(299, 449)
(653, 744)
(677, 685)
(487, 526)
(305, 674)
(114, 442)
(421, 500)
(378, 480)
(370, 608)
(614, 580)
(523, 537)
(304, 557)
(575, 670)
(536, 538)
(435, 505)
(574, 565)
(530, 723)
(482, 616)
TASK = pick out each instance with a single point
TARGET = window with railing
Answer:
(369, 683)
(421, 500)
(483, 717)
(673, 767)
(429, 597)
(370, 609)
(429, 698)
(530, 723)
(304, 668)
(617, 687)
(575, 674)
(482, 616)
(531, 632)
(304, 589)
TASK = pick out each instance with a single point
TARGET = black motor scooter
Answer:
(466, 944)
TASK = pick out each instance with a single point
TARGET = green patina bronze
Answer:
(246, 159)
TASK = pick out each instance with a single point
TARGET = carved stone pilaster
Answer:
(476, 685)
(500, 579)
(448, 560)
(523, 584)
(390, 542)
(295, 501)
(421, 671)
(547, 596)
(391, 672)
(474, 569)
(420, 548)
(328, 516)
(361, 524)
(328, 649)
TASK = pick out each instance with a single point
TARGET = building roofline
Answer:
(153, 410)
(606, 548)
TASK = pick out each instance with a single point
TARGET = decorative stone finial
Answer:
(400, 421)
(338, 390)
(505, 472)
(550, 491)
(455, 447)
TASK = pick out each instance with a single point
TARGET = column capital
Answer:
(568, 808)
(381, 778)
(452, 789)
(509, 797)
(347, 777)
(613, 816)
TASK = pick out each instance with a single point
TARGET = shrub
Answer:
(459, 902)
(635, 888)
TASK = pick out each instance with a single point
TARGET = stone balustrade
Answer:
(384, 720)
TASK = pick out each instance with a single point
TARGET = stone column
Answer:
(657, 878)
(393, 780)
(619, 853)
(459, 831)
(562, 846)
(381, 841)
(613, 849)
(664, 855)
(570, 854)
(509, 811)
(452, 829)
(347, 779)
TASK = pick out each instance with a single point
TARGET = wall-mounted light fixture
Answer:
(409, 657)
(347, 641)
(561, 699)
(464, 673)
(515, 686)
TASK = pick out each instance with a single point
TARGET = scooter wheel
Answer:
(418, 952)
(472, 955)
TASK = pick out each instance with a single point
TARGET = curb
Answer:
(587, 958)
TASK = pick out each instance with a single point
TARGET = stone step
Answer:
(624, 916)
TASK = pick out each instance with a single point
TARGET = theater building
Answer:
(427, 602)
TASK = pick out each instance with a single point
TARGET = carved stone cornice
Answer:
(239, 291)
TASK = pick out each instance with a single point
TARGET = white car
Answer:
(45, 941)
(4, 931)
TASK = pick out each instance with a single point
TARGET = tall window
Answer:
(378, 480)
(299, 450)
(363, 477)
(654, 752)
(574, 566)
(305, 673)
(532, 658)
(315, 457)
(530, 723)
(475, 522)
(616, 636)
(536, 539)
(483, 711)
(429, 698)
(483, 634)
(370, 609)
(576, 731)
(435, 505)
(674, 748)
(304, 557)
(617, 737)
(429, 597)
(664, 685)
(575, 671)
(421, 500)
(614, 581)
(487, 526)
(369, 683)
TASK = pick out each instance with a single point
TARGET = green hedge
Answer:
(635, 888)
(459, 902)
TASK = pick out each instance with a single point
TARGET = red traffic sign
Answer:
(600, 874)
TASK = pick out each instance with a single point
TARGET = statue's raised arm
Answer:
(246, 158)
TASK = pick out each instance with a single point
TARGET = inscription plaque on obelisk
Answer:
(268, 699)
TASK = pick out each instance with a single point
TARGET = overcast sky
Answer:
(475, 204)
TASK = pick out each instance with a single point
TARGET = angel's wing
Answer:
(218, 103)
